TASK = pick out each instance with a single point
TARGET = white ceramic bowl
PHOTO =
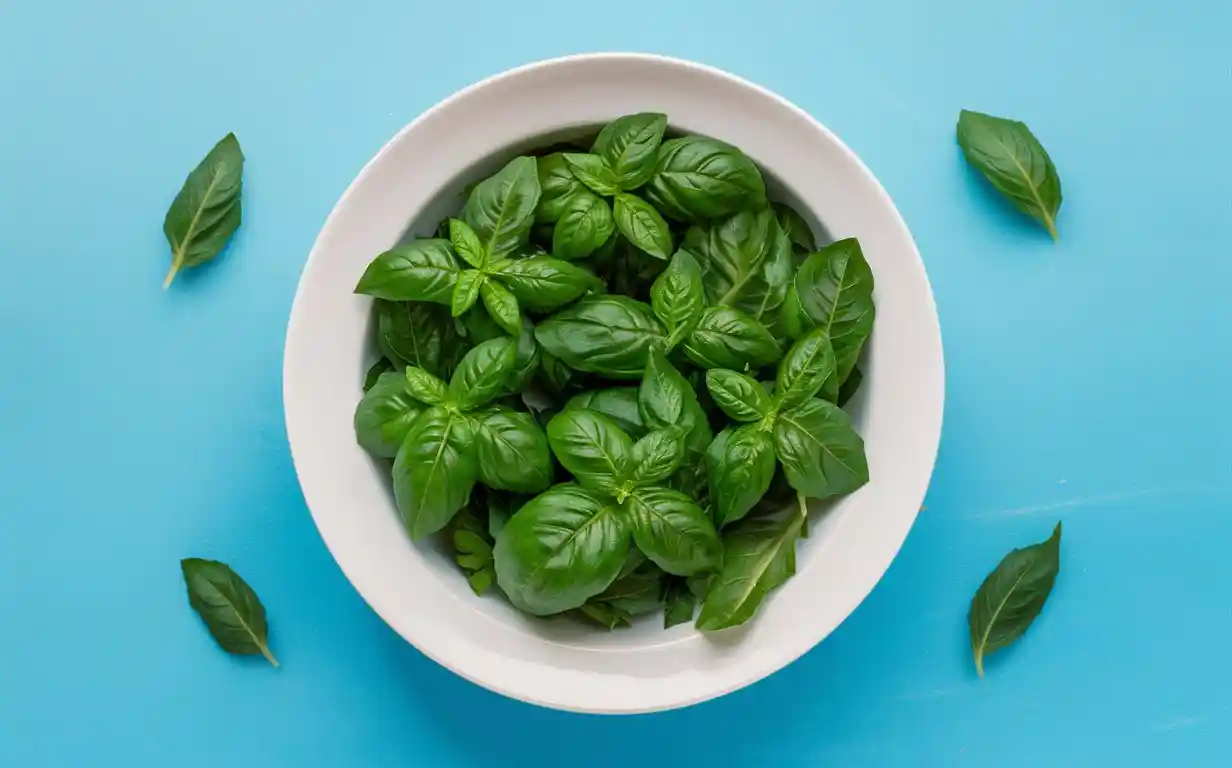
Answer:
(415, 180)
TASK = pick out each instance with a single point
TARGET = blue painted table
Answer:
(1088, 381)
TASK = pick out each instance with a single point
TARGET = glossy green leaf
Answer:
(656, 456)
(585, 224)
(609, 335)
(677, 296)
(482, 373)
(229, 607)
(501, 208)
(636, 592)
(591, 447)
(798, 232)
(424, 387)
(542, 283)
(466, 243)
(472, 549)
(740, 465)
(1014, 162)
(728, 338)
(526, 361)
(606, 614)
(745, 259)
(411, 333)
(741, 397)
(424, 270)
(665, 399)
(702, 178)
(434, 471)
(385, 415)
(822, 455)
(673, 531)
(643, 226)
(835, 291)
(594, 172)
(1012, 596)
(207, 209)
(630, 145)
(617, 403)
(466, 291)
(679, 604)
(558, 187)
(804, 369)
(561, 548)
(501, 306)
(512, 451)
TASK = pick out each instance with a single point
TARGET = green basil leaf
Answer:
(642, 225)
(207, 209)
(502, 306)
(501, 208)
(424, 270)
(585, 224)
(557, 376)
(740, 463)
(230, 609)
(512, 451)
(741, 397)
(798, 232)
(482, 373)
(850, 387)
(733, 254)
(591, 447)
(759, 554)
(1014, 162)
(542, 283)
(424, 387)
(767, 291)
(385, 415)
(466, 291)
(821, 454)
(804, 368)
(656, 456)
(701, 178)
(414, 334)
(617, 403)
(374, 373)
(665, 399)
(630, 145)
(594, 172)
(434, 471)
(473, 549)
(728, 338)
(635, 593)
(498, 514)
(558, 185)
(673, 531)
(677, 295)
(561, 548)
(466, 243)
(679, 604)
(835, 291)
(607, 615)
(1012, 596)
(526, 361)
(609, 335)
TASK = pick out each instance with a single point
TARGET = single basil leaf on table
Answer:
(502, 306)
(609, 335)
(665, 399)
(741, 397)
(434, 471)
(466, 243)
(643, 226)
(230, 609)
(384, 365)
(482, 373)
(850, 387)
(584, 225)
(834, 288)
(501, 208)
(798, 232)
(558, 186)
(673, 531)
(677, 296)
(591, 447)
(822, 455)
(424, 270)
(594, 172)
(542, 283)
(630, 145)
(512, 451)
(617, 403)
(1012, 596)
(679, 604)
(740, 466)
(466, 291)
(413, 333)
(207, 209)
(728, 338)
(424, 387)
(759, 554)
(700, 178)
(561, 548)
(1014, 162)
(656, 456)
(804, 369)
(384, 416)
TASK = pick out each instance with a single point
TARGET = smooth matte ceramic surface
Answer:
(416, 589)
(1085, 381)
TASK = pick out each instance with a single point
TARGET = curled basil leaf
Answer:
(702, 178)
(424, 270)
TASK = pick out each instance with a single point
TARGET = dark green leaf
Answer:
(585, 224)
(424, 270)
(482, 373)
(424, 387)
(850, 387)
(557, 376)
(679, 604)
(745, 259)
(607, 615)
(591, 447)
(466, 291)
(526, 360)
(637, 592)
(385, 415)
(630, 145)
(642, 225)
(821, 454)
(701, 178)
(594, 172)
(502, 307)
(374, 372)
(558, 185)
(1012, 596)
(673, 531)
(835, 290)
(434, 471)
(656, 456)
(799, 233)
(728, 338)
(561, 548)
(228, 606)
(542, 283)
(740, 465)
(609, 335)
(741, 397)
(759, 554)
(1014, 162)
(414, 334)
(617, 403)
(512, 451)
(804, 368)
(677, 296)
(501, 208)
(665, 399)
(207, 209)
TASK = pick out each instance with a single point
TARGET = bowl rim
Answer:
(774, 662)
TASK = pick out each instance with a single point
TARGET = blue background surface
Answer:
(1087, 381)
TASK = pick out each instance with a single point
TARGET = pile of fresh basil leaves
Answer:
(615, 379)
